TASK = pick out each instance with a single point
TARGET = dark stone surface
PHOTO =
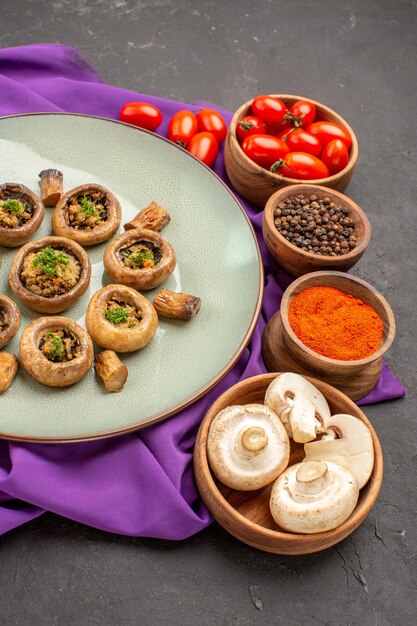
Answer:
(359, 57)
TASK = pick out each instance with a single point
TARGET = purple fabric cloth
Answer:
(138, 484)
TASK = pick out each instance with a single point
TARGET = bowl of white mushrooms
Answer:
(287, 464)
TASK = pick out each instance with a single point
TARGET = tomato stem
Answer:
(183, 144)
(280, 163)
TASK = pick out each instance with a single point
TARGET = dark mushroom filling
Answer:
(15, 209)
(3, 319)
(87, 211)
(50, 272)
(140, 255)
(60, 346)
(122, 314)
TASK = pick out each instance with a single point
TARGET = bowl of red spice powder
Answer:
(334, 326)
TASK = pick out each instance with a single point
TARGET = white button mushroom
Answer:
(247, 446)
(350, 446)
(301, 407)
(313, 497)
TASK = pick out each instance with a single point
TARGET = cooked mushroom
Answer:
(313, 497)
(349, 445)
(247, 446)
(56, 351)
(111, 370)
(49, 275)
(9, 320)
(139, 258)
(176, 305)
(154, 217)
(51, 184)
(88, 214)
(301, 407)
(21, 214)
(9, 366)
(121, 319)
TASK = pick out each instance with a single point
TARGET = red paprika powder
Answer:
(335, 324)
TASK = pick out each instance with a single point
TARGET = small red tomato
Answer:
(250, 125)
(210, 121)
(303, 113)
(335, 155)
(205, 147)
(141, 114)
(327, 131)
(271, 110)
(182, 127)
(264, 150)
(301, 166)
(301, 141)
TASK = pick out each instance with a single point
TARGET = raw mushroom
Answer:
(301, 407)
(351, 446)
(247, 446)
(313, 497)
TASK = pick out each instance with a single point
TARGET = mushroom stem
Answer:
(9, 366)
(176, 305)
(312, 477)
(254, 439)
(154, 217)
(51, 186)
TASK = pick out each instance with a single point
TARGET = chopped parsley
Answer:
(57, 349)
(117, 316)
(138, 258)
(87, 206)
(13, 206)
(49, 260)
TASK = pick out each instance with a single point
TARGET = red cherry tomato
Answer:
(141, 114)
(271, 110)
(250, 125)
(265, 150)
(335, 155)
(303, 113)
(210, 121)
(301, 141)
(182, 127)
(301, 166)
(205, 147)
(327, 131)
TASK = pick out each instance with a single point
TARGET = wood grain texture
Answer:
(298, 262)
(281, 348)
(246, 515)
(257, 184)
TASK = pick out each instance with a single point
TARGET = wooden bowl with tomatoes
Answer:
(296, 261)
(262, 157)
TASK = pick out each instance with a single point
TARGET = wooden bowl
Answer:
(283, 351)
(246, 515)
(296, 261)
(257, 184)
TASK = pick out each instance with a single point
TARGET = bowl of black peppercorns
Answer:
(308, 228)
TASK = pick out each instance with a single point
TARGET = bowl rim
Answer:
(348, 526)
(290, 190)
(349, 278)
(353, 151)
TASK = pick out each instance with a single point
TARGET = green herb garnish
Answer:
(87, 206)
(13, 206)
(131, 325)
(49, 260)
(117, 316)
(57, 345)
(138, 258)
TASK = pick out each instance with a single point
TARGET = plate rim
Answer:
(189, 400)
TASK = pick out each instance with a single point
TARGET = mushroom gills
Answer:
(313, 497)
(350, 446)
(247, 447)
(301, 407)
